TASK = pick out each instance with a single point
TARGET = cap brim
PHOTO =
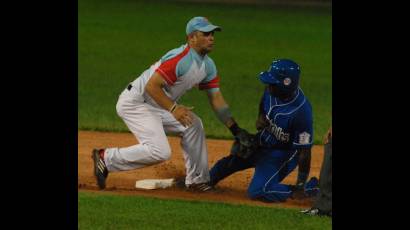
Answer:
(267, 78)
(210, 28)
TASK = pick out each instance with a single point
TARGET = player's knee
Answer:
(120, 109)
(259, 194)
(254, 192)
(161, 152)
(166, 154)
(197, 123)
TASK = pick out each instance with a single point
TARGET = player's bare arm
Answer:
(261, 121)
(154, 89)
(221, 108)
(223, 113)
(303, 165)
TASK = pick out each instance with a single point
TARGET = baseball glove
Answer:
(245, 145)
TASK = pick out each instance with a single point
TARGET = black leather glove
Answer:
(245, 144)
(242, 151)
(245, 138)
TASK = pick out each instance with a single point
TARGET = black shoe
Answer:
(316, 212)
(100, 169)
(180, 182)
(201, 187)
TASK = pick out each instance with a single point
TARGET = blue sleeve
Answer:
(302, 127)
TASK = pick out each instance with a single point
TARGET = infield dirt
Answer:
(230, 190)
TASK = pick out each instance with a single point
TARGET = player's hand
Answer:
(183, 115)
(297, 191)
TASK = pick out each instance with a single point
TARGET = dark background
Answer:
(40, 113)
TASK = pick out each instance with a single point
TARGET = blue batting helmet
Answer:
(283, 73)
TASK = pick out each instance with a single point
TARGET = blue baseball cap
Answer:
(201, 24)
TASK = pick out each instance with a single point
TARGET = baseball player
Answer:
(149, 107)
(283, 140)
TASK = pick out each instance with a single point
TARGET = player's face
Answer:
(205, 41)
(275, 91)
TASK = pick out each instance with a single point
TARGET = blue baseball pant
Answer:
(271, 167)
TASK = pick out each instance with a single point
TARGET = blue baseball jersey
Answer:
(290, 123)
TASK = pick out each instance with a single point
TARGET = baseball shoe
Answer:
(316, 212)
(100, 169)
(201, 187)
(312, 187)
(180, 182)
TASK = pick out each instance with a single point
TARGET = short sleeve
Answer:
(303, 129)
(211, 81)
(168, 67)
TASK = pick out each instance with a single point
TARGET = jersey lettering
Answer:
(278, 132)
(290, 123)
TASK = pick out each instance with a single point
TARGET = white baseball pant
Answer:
(149, 125)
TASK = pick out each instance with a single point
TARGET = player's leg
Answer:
(227, 166)
(311, 187)
(145, 123)
(193, 145)
(291, 162)
(270, 170)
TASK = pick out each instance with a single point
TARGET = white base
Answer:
(154, 183)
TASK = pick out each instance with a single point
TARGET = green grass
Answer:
(132, 212)
(120, 39)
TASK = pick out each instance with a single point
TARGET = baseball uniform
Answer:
(182, 69)
(290, 128)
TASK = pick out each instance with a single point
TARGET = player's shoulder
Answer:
(306, 108)
(305, 100)
(266, 95)
(175, 52)
(302, 104)
(209, 62)
(210, 66)
(208, 59)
